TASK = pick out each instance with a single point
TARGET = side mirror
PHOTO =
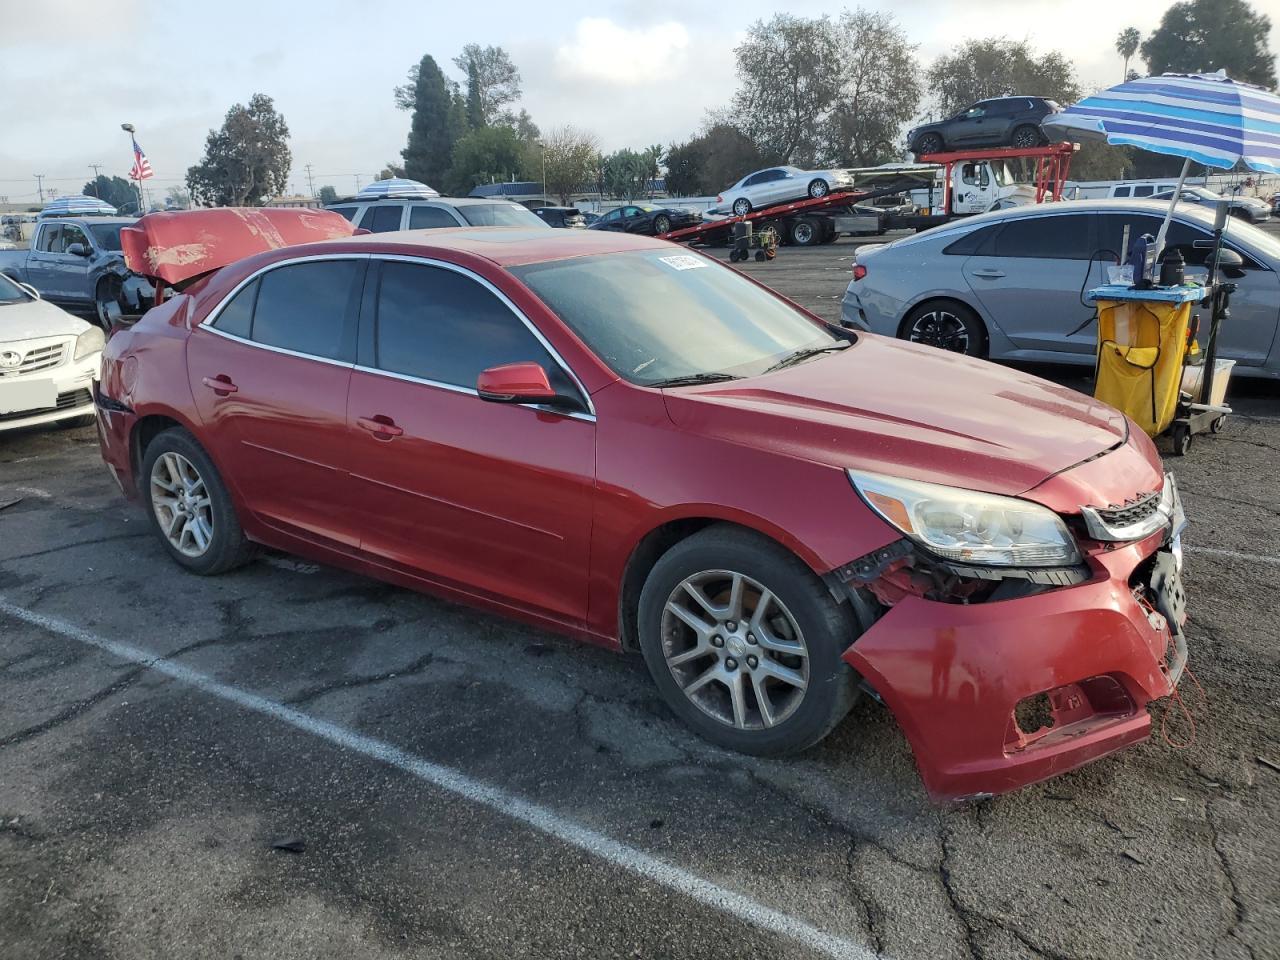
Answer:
(78, 250)
(524, 382)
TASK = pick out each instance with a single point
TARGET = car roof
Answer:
(448, 201)
(504, 246)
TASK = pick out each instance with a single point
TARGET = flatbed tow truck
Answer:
(965, 182)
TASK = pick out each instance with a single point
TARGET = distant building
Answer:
(295, 200)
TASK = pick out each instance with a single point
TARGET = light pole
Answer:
(130, 130)
(542, 150)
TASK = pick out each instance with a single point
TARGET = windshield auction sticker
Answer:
(682, 261)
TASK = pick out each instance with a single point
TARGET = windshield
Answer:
(10, 292)
(107, 235)
(498, 215)
(655, 315)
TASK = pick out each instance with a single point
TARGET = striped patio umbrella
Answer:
(396, 187)
(1205, 117)
(76, 206)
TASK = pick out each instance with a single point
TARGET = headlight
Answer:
(967, 526)
(91, 341)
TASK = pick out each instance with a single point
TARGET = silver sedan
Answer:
(1007, 285)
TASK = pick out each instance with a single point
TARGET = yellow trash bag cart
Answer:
(1142, 366)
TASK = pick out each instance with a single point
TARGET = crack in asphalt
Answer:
(1234, 501)
(872, 914)
(14, 828)
(73, 711)
(960, 911)
(348, 683)
(71, 546)
(1233, 887)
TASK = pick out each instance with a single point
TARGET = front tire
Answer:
(744, 643)
(947, 325)
(190, 507)
(929, 143)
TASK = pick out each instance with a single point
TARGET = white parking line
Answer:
(495, 798)
(1219, 552)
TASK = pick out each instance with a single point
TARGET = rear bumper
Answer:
(955, 675)
(115, 427)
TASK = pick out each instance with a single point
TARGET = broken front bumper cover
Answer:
(956, 676)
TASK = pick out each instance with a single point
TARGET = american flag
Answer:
(141, 169)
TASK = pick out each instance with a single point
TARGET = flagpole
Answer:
(137, 181)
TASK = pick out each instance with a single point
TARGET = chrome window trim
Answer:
(506, 301)
(208, 322)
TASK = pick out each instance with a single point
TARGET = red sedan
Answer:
(620, 439)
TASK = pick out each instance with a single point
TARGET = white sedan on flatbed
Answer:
(764, 188)
(49, 360)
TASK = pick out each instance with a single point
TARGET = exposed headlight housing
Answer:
(966, 526)
(90, 342)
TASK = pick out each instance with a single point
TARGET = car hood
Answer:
(35, 319)
(911, 411)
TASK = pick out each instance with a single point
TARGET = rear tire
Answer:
(1026, 136)
(818, 188)
(661, 224)
(806, 232)
(741, 207)
(786, 702)
(189, 505)
(948, 325)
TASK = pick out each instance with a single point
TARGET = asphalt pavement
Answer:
(291, 761)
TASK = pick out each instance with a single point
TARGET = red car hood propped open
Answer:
(909, 411)
(176, 247)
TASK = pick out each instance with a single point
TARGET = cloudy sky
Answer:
(634, 73)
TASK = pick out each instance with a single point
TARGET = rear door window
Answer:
(308, 308)
(382, 218)
(430, 218)
(1061, 237)
(348, 212)
(1144, 190)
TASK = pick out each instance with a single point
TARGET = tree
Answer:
(176, 198)
(526, 130)
(327, 195)
(247, 160)
(1201, 36)
(1099, 160)
(437, 123)
(116, 191)
(569, 156)
(1127, 45)
(711, 161)
(980, 69)
(493, 78)
(879, 90)
(485, 155)
(789, 71)
(626, 174)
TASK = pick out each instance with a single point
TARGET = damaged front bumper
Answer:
(997, 695)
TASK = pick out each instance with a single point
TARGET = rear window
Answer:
(498, 215)
(974, 242)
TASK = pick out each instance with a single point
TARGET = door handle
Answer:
(382, 427)
(221, 384)
(989, 273)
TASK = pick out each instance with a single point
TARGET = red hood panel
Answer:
(918, 412)
(184, 244)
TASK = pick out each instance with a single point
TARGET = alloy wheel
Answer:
(182, 504)
(734, 649)
(819, 188)
(940, 328)
(741, 207)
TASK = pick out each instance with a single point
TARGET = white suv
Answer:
(386, 214)
(49, 360)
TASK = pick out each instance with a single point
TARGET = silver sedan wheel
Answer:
(735, 649)
(940, 328)
(181, 504)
